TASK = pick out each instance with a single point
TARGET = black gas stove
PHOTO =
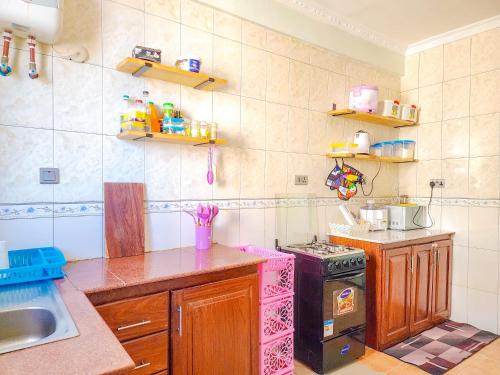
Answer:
(329, 304)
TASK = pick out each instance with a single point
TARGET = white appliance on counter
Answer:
(407, 216)
(375, 215)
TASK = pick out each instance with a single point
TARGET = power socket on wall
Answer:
(437, 183)
(301, 179)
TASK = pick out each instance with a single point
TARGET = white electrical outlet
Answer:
(438, 183)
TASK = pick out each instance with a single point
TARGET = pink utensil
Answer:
(210, 173)
(215, 211)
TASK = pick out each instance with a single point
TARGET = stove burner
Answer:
(321, 249)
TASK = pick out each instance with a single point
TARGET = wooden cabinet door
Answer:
(442, 281)
(421, 288)
(215, 328)
(396, 287)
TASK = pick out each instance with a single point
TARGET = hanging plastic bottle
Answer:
(5, 68)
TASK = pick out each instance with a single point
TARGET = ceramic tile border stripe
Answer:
(44, 210)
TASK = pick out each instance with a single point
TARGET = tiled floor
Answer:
(486, 362)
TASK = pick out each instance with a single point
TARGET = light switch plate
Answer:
(301, 180)
(49, 175)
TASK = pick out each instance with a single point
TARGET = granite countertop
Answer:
(393, 236)
(96, 350)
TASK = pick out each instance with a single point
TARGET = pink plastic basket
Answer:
(275, 275)
(276, 357)
(276, 318)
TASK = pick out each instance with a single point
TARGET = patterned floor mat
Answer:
(441, 348)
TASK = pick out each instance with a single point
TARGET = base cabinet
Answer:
(408, 287)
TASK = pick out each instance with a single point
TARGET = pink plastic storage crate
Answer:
(275, 275)
(277, 356)
(276, 318)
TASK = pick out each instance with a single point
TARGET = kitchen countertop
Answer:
(393, 236)
(96, 350)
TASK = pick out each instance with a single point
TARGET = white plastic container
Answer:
(390, 108)
(387, 149)
(4, 255)
(376, 149)
(404, 149)
(364, 98)
(409, 112)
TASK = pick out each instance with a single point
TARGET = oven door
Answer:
(344, 308)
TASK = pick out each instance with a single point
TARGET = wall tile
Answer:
(427, 170)
(40, 233)
(253, 123)
(197, 15)
(484, 177)
(278, 73)
(337, 89)
(319, 58)
(187, 230)
(337, 64)
(430, 101)
(456, 218)
(484, 96)
(456, 175)
(27, 102)
(164, 35)
(431, 66)
(410, 97)
(81, 27)
(317, 133)
(227, 114)
(461, 265)
(79, 237)
(429, 141)
(199, 42)
(410, 79)
(77, 101)
(297, 130)
(408, 179)
(227, 63)
(228, 170)
(122, 30)
(319, 99)
(163, 230)
(483, 270)
(226, 228)
(485, 55)
(278, 43)
(227, 26)
(300, 76)
(252, 227)
(253, 74)
(253, 164)
(170, 9)
(162, 171)
(194, 173)
(297, 164)
(456, 138)
(457, 59)
(456, 95)
(459, 304)
(138, 4)
(276, 126)
(485, 135)
(482, 309)
(253, 35)
(123, 161)
(483, 228)
(79, 159)
(30, 149)
(197, 104)
(316, 175)
(271, 228)
(275, 174)
(300, 51)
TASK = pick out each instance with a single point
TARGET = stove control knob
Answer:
(337, 264)
(331, 267)
(345, 263)
(353, 261)
(360, 260)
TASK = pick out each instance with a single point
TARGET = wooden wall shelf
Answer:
(132, 135)
(138, 68)
(373, 118)
(383, 159)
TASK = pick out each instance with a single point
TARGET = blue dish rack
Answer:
(33, 265)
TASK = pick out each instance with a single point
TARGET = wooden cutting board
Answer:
(124, 219)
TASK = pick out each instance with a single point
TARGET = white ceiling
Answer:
(398, 22)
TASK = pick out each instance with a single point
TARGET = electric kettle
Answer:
(362, 139)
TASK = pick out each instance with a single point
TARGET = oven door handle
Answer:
(346, 277)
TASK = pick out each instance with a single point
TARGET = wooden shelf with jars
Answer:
(199, 81)
(371, 117)
(382, 159)
(133, 135)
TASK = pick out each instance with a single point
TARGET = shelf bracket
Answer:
(143, 69)
(210, 142)
(209, 81)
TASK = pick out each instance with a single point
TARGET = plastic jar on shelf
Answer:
(387, 149)
(343, 148)
(376, 149)
(404, 149)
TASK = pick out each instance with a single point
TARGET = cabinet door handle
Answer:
(411, 264)
(142, 365)
(437, 257)
(179, 310)
(144, 322)
(434, 245)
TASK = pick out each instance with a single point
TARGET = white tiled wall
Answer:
(272, 113)
(456, 85)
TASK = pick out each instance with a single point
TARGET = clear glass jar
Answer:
(213, 131)
(204, 130)
(195, 129)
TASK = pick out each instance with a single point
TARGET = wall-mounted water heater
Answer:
(39, 18)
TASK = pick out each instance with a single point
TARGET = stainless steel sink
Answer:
(33, 314)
